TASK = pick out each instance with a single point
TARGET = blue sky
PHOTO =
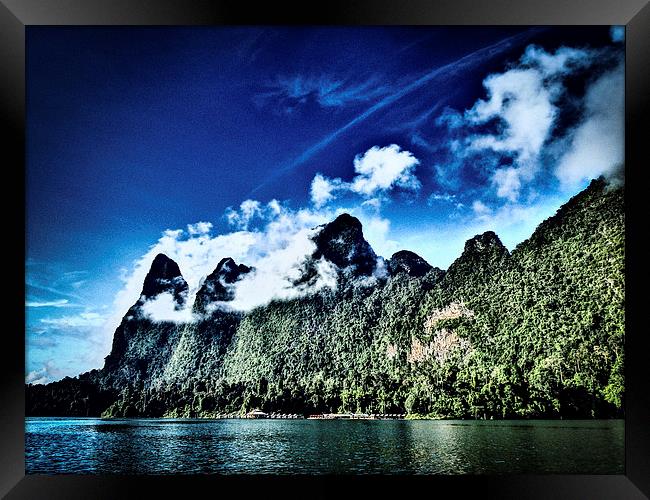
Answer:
(428, 134)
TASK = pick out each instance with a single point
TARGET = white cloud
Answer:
(377, 171)
(51, 303)
(322, 190)
(248, 210)
(521, 101)
(199, 228)
(480, 208)
(43, 375)
(522, 104)
(197, 255)
(380, 169)
(448, 197)
(279, 243)
(276, 272)
(508, 182)
(596, 145)
(276, 251)
(37, 377)
(274, 207)
(83, 320)
(163, 308)
(373, 203)
(565, 60)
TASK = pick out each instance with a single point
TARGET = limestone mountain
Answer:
(408, 262)
(217, 286)
(482, 257)
(536, 332)
(341, 242)
(164, 277)
(140, 344)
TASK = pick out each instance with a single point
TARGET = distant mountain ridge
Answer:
(536, 332)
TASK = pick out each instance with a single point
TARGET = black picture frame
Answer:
(15, 15)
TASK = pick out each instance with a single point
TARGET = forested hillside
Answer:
(537, 332)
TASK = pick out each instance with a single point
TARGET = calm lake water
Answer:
(173, 446)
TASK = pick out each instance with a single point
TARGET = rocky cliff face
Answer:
(164, 276)
(408, 262)
(341, 242)
(535, 332)
(140, 345)
(217, 287)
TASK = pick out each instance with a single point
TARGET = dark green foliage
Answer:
(534, 333)
(75, 397)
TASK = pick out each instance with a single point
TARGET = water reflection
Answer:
(152, 446)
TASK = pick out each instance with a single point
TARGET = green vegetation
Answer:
(535, 333)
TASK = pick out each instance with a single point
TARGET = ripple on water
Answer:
(185, 446)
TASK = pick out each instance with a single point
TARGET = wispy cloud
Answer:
(51, 303)
(435, 198)
(253, 44)
(82, 320)
(31, 283)
(446, 70)
(74, 274)
(51, 279)
(287, 94)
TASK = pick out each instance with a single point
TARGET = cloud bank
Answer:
(43, 375)
(273, 239)
(515, 133)
(596, 145)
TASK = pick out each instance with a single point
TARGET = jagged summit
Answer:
(164, 276)
(215, 287)
(345, 220)
(229, 270)
(482, 255)
(342, 243)
(408, 262)
(482, 243)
